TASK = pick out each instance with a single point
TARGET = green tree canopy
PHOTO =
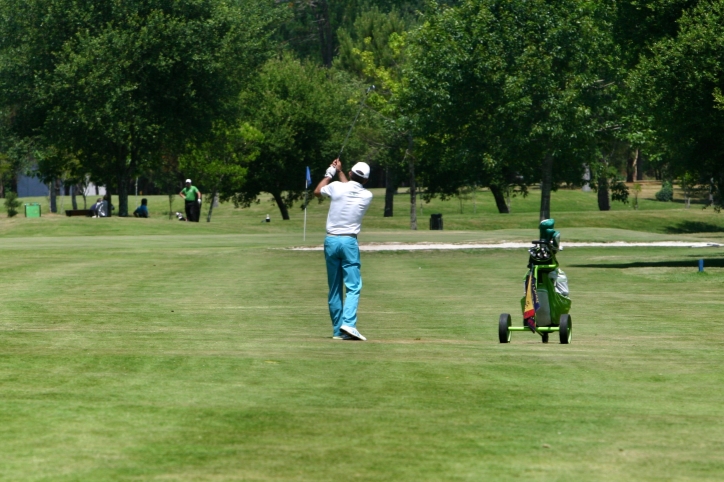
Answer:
(120, 82)
(638, 24)
(302, 111)
(312, 31)
(506, 88)
(682, 81)
(219, 164)
(374, 51)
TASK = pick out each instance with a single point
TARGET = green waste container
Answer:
(32, 210)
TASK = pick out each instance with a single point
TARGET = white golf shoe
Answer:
(344, 336)
(352, 332)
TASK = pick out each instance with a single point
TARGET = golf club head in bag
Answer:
(545, 248)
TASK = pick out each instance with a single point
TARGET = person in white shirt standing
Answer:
(350, 201)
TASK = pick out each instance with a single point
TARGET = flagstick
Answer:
(306, 190)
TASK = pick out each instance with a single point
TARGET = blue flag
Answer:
(309, 179)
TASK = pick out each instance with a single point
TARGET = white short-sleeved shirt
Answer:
(350, 201)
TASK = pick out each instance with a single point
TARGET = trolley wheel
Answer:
(566, 329)
(544, 337)
(503, 328)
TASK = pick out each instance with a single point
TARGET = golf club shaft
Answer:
(359, 111)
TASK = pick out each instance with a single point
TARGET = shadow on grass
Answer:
(684, 263)
(689, 227)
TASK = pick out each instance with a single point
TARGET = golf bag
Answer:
(546, 295)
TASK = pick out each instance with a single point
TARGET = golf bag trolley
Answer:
(545, 303)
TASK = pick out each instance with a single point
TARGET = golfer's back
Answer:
(350, 201)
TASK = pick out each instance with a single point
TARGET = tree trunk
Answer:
(630, 170)
(390, 188)
(53, 200)
(639, 166)
(324, 30)
(73, 200)
(546, 185)
(413, 187)
(604, 203)
(282, 207)
(123, 195)
(500, 202)
(170, 205)
(422, 210)
(211, 204)
(109, 197)
(632, 174)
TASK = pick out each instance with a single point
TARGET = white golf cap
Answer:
(188, 181)
(362, 169)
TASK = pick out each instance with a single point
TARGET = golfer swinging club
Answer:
(350, 201)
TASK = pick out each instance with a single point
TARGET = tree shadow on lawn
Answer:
(689, 227)
(685, 263)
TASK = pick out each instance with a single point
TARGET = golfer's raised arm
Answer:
(328, 176)
(322, 183)
(337, 164)
(340, 172)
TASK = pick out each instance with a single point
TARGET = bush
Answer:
(666, 193)
(12, 204)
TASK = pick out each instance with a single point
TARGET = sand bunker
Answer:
(517, 245)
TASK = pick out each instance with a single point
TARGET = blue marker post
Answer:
(701, 266)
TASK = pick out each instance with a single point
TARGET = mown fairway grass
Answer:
(157, 350)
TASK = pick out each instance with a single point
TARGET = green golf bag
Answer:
(546, 297)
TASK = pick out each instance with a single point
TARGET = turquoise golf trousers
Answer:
(343, 270)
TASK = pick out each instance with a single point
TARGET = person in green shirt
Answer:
(192, 197)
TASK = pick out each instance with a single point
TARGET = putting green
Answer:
(162, 355)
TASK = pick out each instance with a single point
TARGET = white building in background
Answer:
(30, 186)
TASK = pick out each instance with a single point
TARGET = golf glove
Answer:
(199, 201)
(331, 171)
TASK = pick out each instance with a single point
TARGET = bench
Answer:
(79, 212)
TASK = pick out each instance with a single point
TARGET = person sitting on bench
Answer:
(96, 207)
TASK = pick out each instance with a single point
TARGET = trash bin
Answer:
(436, 222)
(32, 210)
